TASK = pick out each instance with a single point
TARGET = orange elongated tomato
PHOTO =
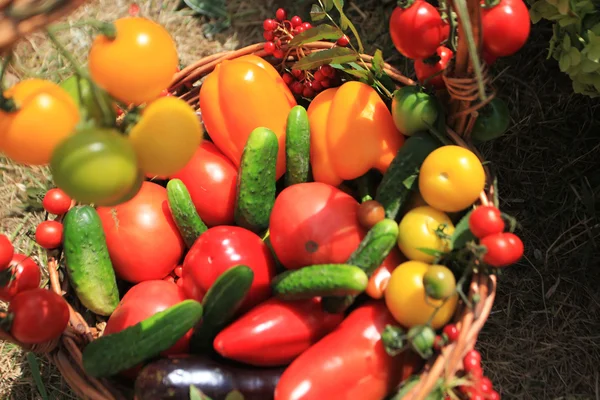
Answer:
(352, 131)
(241, 95)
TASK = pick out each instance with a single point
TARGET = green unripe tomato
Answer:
(87, 101)
(492, 122)
(421, 338)
(413, 110)
(439, 282)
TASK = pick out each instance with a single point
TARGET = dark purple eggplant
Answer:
(171, 378)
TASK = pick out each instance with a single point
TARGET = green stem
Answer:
(13, 235)
(106, 28)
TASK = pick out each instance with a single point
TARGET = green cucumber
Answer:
(221, 303)
(256, 185)
(111, 354)
(320, 280)
(401, 176)
(89, 268)
(184, 212)
(369, 255)
(297, 146)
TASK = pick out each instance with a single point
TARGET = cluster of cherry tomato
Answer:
(308, 84)
(419, 32)
(480, 387)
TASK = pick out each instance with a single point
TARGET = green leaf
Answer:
(209, 8)
(588, 65)
(462, 234)
(329, 4)
(566, 44)
(378, 63)
(37, 377)
(317, 13)
(563, 6)
(360, 74)
(320, 32)
(564, 22)
(234, 395)
(575, 56)
(196, 394)
(406, 387)
(336, 55)
(346, 23)
(564, 63)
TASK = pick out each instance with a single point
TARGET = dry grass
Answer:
(542, 340)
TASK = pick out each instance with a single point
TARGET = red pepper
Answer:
(350, 363)
(276, 332)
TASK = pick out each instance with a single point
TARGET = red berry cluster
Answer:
(308, 84)
(481, 387)
(279, 31)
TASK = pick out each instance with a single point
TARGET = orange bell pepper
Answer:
(352, 131)
(241, 95)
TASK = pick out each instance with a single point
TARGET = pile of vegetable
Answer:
(314, 244)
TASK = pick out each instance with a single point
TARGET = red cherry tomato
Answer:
(426, 70)
(221, 248)
(472, 361)
(23, 274)
(211, 180)
(485, 221)
(418, 30)
(6, 252)
(48, 234)
(142, 238)
(39, 315)
(505, 27)
(503, 249)
(56, 202)
(314, 223)
(485, 385)
(451, 332)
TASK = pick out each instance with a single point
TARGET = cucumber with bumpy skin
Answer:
(256, 185)
(297, 147)
(111, 354)
(371, 252)
(184, 212)
(320, 280)
(89, 268)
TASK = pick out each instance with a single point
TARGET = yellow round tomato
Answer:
(423, 227)
(451, 178)
(406, 299)
(46, 116)
(137, 64)
(166, 137)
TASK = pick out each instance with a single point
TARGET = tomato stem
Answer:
(105, 28)
(6, 104)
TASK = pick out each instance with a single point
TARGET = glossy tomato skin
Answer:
(503, 249)
(7, 251)
(223, 247)
(39, 315)
(211, 180)
(23, 274)
(56, 202)
(349, 363)
(275, 332)
(505, 27)
(138, 64)
(417, 31)
(49, 234)
(425, 71)
(314, 223)
(485, 221)
(143, 240)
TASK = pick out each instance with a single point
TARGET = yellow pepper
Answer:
(352, 131)
(241, 95)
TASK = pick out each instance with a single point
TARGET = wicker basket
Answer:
(66, 353)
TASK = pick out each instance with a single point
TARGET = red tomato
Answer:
(503, 249)
(23, 274)
(379, 280)
(48, 234)
(142, 238)
(485, 221)
(221, 248)
(56, 202)
(314, 223)
(7, 252)
(39, 315)
(418, 30)
(349, 363)
(425, 70)
(505, 27)
(143, 301)
(211, 180)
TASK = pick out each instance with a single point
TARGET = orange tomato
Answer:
(241, 95)
(46, 115)
(137, 64)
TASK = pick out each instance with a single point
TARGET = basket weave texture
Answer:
(464, 101)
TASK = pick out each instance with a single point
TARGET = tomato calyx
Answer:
(7, 104)
(422, 339)
(393, 338)
(489, 3)
(405, 3)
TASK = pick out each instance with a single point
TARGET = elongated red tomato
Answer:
(142, 238)
(350, 363)
(276, 332)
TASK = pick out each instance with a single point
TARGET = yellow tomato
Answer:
(406, 299)
(451, 178)
(423, 227)
(166, 137)
(46, 115)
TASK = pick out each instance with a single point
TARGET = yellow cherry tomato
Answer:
(137, 64)
(406, 299)
(451, 178)
(424, 227)
(166, 137)
(45, 116)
